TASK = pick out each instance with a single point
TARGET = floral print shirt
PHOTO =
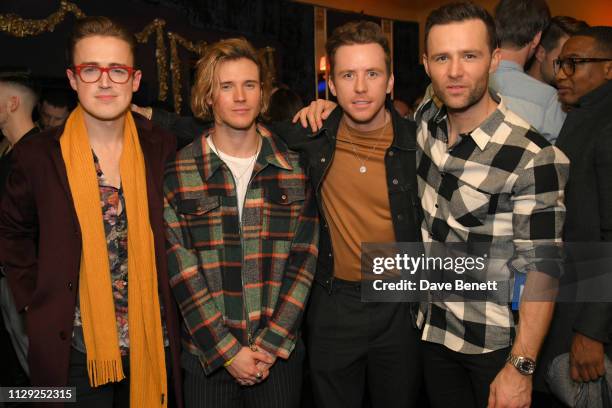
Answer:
(114, 217)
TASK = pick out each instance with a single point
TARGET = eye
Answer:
(347, 75)
(441, 58)
(372, 74)
(89, 70)
(119, 71)
(251, 85)
(469, 56)
(226, 87)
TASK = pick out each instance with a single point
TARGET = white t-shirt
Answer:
(241, 168)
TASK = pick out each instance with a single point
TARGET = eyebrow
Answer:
(468, 51)
(248, 81)
(112, 64)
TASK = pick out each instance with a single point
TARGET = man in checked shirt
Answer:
(242, 232)
(484, 175)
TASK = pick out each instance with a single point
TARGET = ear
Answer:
(390, 83)
(540, 54)
(426, 64)
(71, 79)
(13, 103)
(608, 70)
(495, 59)
(332, 87)
(136, 80)
(536, 40)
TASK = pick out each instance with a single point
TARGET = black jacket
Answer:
(317, 152)
(586, 139)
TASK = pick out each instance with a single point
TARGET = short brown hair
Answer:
(357, 32)
(459, 12)
(93, 26)
(560, 26)
(519, 21)
(205, 76)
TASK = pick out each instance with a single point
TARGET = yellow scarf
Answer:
(148, 387)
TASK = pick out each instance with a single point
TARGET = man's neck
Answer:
(461, 122)
(236, 142)
(107, 134)
(17, 128)
(377, 122)
(535, 71)
(520, 56)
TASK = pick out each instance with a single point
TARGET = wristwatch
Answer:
(524, 365)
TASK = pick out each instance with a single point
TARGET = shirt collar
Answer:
(508, 65)
(482, 134)
(271, 153)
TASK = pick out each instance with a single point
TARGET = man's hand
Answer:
(586, 359)
(147, 112)
(261, 365)
(510, 389)
(244, 367)
(315, 114)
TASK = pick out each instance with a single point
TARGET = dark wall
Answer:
(285, 26)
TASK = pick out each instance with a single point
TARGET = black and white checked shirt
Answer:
(501, 184)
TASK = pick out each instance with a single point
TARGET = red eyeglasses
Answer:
(119, 74)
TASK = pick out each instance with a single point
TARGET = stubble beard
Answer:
(475, 95)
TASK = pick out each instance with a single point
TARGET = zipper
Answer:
(244, 298)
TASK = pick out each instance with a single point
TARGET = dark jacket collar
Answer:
(404, 130)
(597, 95)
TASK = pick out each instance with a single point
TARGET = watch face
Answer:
(526, 366)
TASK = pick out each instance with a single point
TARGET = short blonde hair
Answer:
(206, 74)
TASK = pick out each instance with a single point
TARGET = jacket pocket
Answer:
(198, 206)
(281, 210)
(202, 221)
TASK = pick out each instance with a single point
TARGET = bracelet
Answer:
(229, 362)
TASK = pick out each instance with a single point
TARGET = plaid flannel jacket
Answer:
(239, 283)
(502, 184)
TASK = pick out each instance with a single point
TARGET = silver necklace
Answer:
(363, 169)
(238, 178)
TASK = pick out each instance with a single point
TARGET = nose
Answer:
(361, 84)
(239, 94)
(105, 80)
(455, 68)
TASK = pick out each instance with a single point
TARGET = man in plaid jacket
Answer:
(242, 232)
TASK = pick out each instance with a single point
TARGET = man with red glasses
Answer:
(82, 236)
(584, 77)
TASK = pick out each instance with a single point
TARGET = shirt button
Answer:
(436, 205)
(69, 285)
(322, 159)
(283, 197)
(331, 255)
(395, 181)
(400, 217)
(391, 153)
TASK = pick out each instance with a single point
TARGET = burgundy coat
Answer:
(40, 247)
